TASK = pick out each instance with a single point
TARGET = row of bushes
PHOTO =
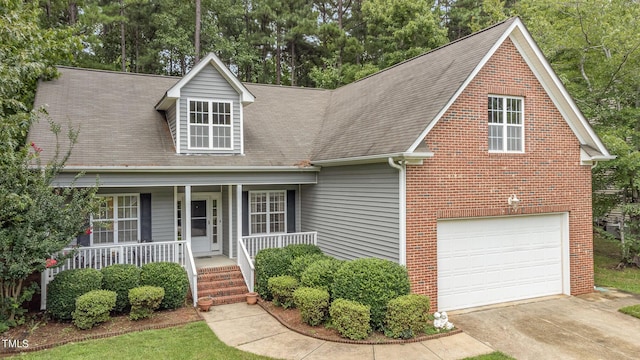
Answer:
(348, 291)
(95, 306)
(69, 285)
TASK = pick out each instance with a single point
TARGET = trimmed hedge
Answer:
(169, 276)
(302, 249)
(93, 308)
(371, 282)
(121, 278)
(313, 304)
(301, 263)
(282, 288)
(350, 318)
(407, 316)
(270, 263)
(320, 274)
(66, 287)
(144, 300)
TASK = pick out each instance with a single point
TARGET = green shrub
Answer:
(270, 263)
(371, 282)
(313, 304)
(350, 318)
(407, 316)
(169, 276)
(144, 300)
(302, 249)
(301, 263)
(93, 308)
(66, 287)
(121, 278)
(282, 288)
(320, 274)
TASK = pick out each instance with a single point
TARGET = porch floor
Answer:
(214, 261)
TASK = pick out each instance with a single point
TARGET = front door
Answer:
(206, 224)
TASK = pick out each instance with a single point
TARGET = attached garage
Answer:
(484, 261)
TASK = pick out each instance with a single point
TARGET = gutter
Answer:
(402, 183)
(410, 157)
(198, 169)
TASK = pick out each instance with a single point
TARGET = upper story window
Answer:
(267, 212)
(210, 125)
(117, 220)
(506, 129)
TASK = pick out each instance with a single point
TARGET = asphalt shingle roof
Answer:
(381, 114)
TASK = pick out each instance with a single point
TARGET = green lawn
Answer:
(496, 355)
(633, 310)
(606, 258)
(191, 341)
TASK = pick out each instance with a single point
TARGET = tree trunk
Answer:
(278, 56)
(197, 35)
(73, 13)
(123, 52)
(293, 63)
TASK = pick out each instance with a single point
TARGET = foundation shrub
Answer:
(121, 278)
(270, 263)
(169, 276)
(320, 274)
(313, 304)
(144, 300)
(66, 287)
(350, 318)
(301, 263)
(93, 308)
(282, 288)
(407, 316)
(371, 282)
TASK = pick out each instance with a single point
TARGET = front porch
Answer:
(99, 256)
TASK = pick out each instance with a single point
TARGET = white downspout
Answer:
(403, 209)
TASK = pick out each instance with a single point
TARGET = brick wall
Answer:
(464, 180)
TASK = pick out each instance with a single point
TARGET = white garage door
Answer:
(492, 260)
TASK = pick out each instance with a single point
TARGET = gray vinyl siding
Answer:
(355, 210)
(161, 209)
(209, 84)
(171, 120)
(185, 178)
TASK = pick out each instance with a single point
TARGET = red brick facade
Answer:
(464, 180)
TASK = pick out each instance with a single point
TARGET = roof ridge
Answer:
(117, 72)
(434, 50)
(286, 86)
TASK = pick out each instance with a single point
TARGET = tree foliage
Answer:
(36, 220)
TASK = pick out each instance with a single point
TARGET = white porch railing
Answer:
(138, 254)
(248, 247)
(192, 272)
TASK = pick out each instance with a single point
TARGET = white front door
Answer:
(206, 221)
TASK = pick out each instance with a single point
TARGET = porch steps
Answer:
(224, 284)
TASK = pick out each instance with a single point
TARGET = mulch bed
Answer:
(292, 320)
(42, 334)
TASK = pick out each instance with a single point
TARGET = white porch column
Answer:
(186, 210)
(239, 213)
(175, 213)
(230, 219)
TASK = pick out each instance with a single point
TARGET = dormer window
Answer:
(210, 125)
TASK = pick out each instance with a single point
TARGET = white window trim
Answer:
(504, 124)
(210, 124)
(268, 192)
(115, 219)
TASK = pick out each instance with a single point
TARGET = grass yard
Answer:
(496, 355)
(191, 341)
(606, 254)
(633, 310)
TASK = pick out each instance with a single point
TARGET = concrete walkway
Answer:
(250, 328)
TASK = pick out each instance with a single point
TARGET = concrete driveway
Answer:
(582, 327)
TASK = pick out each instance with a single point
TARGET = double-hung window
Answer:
(117, 220)
(267, 212)
(210, 125)
(506, 129)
